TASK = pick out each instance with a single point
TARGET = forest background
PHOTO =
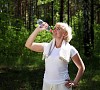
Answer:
(22, 69)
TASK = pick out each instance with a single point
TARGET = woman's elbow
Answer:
(82, 68)
(27, 45)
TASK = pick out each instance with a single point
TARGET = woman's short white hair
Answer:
(67, 28)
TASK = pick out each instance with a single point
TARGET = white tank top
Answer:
(56, 70)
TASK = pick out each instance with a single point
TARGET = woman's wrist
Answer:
(38, 29)
(75, 84)
(71, 84)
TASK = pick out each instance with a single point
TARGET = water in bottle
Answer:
(39, 21)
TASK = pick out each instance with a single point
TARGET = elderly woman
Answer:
(57, 55)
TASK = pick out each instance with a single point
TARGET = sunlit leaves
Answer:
(43, 1)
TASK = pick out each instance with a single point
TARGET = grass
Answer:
(31, 78)
(21, 80)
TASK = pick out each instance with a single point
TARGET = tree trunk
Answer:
(92, 24)
(68, 12)
(52, 12)
(86, 36)
(29, 20)
(61, 10)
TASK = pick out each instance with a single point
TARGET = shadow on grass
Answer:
(32, 80)
(26, 79)
(21, 79)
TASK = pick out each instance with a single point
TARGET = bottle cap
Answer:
(39, 21)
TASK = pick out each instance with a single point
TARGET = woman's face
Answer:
(58, 32)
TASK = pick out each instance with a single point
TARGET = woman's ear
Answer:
(65, 35)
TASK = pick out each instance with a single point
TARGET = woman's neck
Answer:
(58, 43)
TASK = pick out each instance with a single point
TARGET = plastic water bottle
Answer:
(40, 22)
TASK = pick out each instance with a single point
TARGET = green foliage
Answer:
(13, 50)
(12, 45)
(77, 32)
(97, 39)
(44, 36)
